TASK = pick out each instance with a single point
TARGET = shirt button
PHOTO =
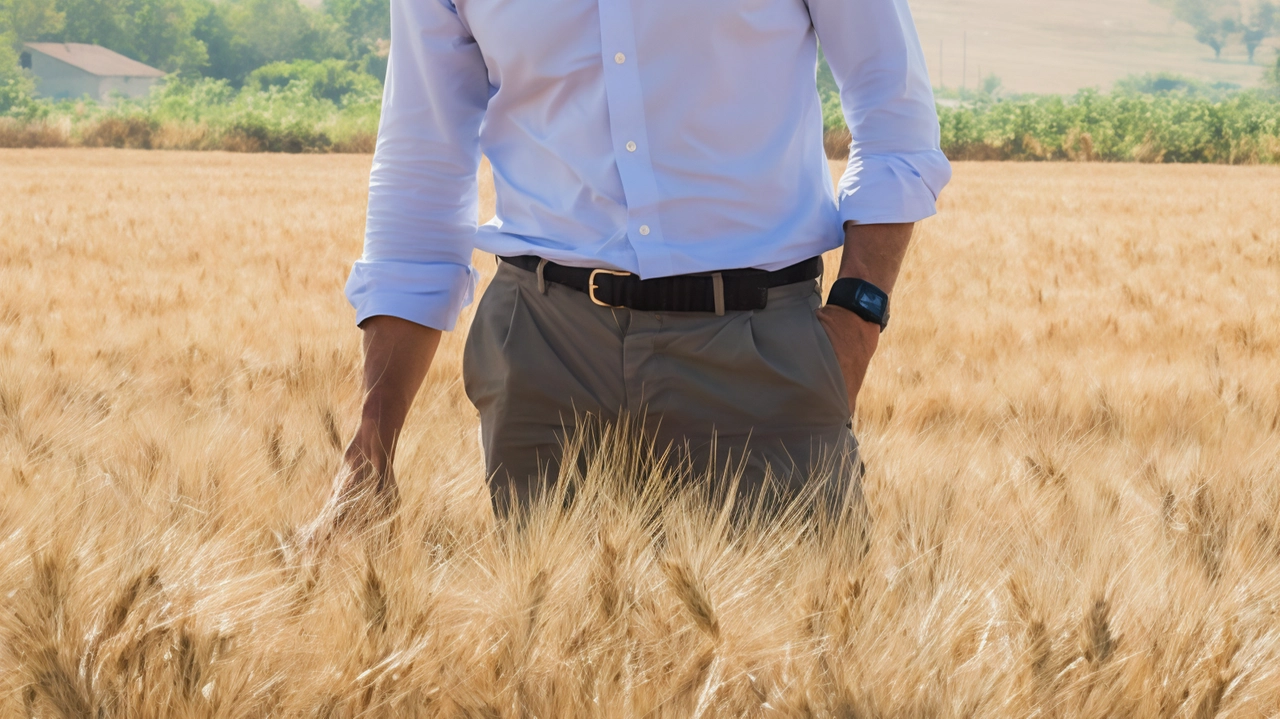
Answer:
(631, 147)
(644, 229)
(619, 58)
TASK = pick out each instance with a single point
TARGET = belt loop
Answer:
(717, 286)
(542, 283)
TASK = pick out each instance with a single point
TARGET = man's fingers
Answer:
(854, 341)
(360, 498)
(360, 503)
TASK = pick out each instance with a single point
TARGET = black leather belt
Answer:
(718, 292)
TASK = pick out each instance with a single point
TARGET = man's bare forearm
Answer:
(874, 252)
(397, 355)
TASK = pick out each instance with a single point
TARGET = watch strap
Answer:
(861, 298)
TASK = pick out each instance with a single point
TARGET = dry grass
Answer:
(1072, 434)
(140, 133)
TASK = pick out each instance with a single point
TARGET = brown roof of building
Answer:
(95, 59)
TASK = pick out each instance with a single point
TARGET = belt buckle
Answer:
(592, 287)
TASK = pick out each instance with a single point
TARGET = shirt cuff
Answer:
(430, 294)
(885, 189)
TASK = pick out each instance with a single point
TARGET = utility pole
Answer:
(964, 64)
(942, 76)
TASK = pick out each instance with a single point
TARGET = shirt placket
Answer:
(623, 93)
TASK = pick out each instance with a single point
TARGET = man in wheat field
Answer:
(663, 199)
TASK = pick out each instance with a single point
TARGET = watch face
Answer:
(871, 302)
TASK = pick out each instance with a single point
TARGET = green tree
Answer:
(991, 85)
(331, 80)
(25, 20)
(157, 32)
(365, 22)
(1214, 21)
(16, 85)
(163, 32)
(21, 21)
(1167, 83)
(1261, 25)
(211, 29)
(243, 35)
(367, 26)
(1215, 34)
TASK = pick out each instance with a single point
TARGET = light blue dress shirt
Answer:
(659, 137)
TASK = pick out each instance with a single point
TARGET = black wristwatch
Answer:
(861, 298)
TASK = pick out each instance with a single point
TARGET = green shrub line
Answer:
(1123, 126)
(270, 113)
(1241, 129)
(327, 107)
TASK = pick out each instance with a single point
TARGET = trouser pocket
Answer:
(827, 354)
(483, 358)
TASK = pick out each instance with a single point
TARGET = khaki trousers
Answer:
(759, 391)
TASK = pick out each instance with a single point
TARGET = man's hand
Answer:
(397, 355)
(855, 341)
(873, 253)
(364, 490)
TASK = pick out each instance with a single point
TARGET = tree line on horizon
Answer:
(222, 39)
(230, 39)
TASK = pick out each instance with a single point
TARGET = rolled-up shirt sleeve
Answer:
(423, 193)
(896, 166)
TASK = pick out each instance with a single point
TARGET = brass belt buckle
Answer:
(592, 287)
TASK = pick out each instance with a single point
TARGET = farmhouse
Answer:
(73, 70)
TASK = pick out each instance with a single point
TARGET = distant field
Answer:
(1072, 433)
(1060, 46)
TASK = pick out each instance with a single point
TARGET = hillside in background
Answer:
(1060, 47)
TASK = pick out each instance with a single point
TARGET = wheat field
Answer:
(1072, 434)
